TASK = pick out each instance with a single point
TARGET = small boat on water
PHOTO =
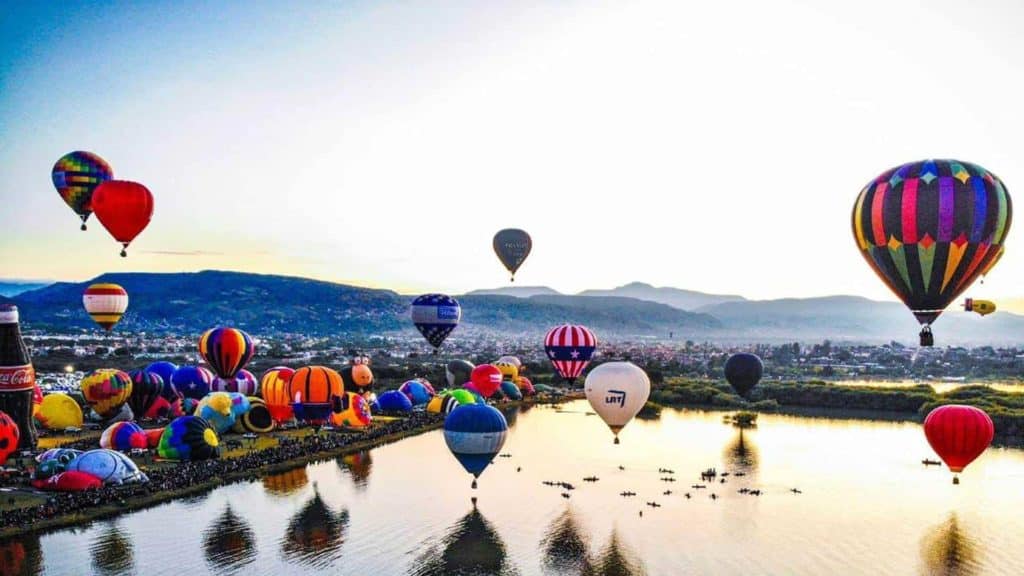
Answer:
(928, 462)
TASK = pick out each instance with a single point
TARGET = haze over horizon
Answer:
(383, 145)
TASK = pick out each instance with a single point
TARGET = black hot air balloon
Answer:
(512, 246)
(743, 371)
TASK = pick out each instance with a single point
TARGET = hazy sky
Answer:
(716, 146)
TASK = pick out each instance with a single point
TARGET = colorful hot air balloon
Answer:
(443, 404)
(192, 381)
(526, 386)
(355, 412)
(357, 376)
(509, 371)
(514, 360)
(147, 387)
(486, 378)
(153, 437)
(314, 391)
(109, 466)
(124, 436)
(463, 396)
(106, 390)
(617, 391)
(510, 390)
(75, 176)
(58, 411)
(243, 383)
(743, 371)
(569, 348)
(226, 350)
(435, 316)
(257, 419)
(105, 303)
(929, 228)
(9, 436)
(980, 307)
(417, 392)
(457, 372)
(958, 434)
(189, 438)
(165, 370)
(394, 401)
(222, 409)
(124, 208)
(274, 388)
(512, 246)
(475, 434)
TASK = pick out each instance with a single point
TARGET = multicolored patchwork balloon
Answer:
(106, 390)
(435, 316)
(226, 350)
(75, 176)
(189, 438)
(124, 436)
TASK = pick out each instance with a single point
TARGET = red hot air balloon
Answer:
(958, 434)
(226, 350)
(486, 378)
(124, 208)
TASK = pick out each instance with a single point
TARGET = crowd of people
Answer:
(174, 478)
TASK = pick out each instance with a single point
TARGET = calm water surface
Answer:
(939, 386)
(868, 507)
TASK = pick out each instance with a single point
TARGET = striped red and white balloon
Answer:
(106, 303)
(958, 434)
(569, 347)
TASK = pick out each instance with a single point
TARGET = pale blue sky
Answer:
(716, 146)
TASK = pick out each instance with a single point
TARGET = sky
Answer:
(713, 146)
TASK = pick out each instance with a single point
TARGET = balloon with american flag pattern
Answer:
(435, 316)
(570, 347)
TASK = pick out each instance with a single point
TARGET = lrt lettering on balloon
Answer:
(616, 397)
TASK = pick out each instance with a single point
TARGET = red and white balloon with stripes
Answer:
(569, 347)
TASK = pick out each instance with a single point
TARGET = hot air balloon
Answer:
(435, 316)
(257, 419)
(980, 307)
(743, 371)
(123, 436)
(222, 409)
(473, 391)
(617, 391)
(189, 438)
(75, 176)
(146, 389)
(929, 228)
(458, 372)
(417, 392)
(165, 370)
(109, 466)
(463, 396)
(486, 378)
(153, 437)
(106, 390)
(9, 436)
(124, 208)
(509, 371)
(314, 390)
(357, 376)
(510, 390)
(475, 434)
(355, 412)
(105, 303)
(443, 404)
(394, 401)
(512, 246)
(274, 387)
(569, 348)
(192, 381)
(226, 350)
(59, 411)
(243, 383)
(71, 481)
(37, 398)
(958, 434)
(53, 462)
(526, 386)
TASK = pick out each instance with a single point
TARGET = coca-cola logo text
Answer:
(14, 378)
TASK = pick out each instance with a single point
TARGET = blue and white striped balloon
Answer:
(475, 434)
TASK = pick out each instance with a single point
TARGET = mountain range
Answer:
(265, 304)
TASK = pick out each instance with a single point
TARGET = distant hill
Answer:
(14, 287)
(517, 291)
(674, 297)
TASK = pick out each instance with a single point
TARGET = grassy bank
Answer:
(1006, 409)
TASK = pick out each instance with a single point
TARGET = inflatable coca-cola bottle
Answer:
(17, 377)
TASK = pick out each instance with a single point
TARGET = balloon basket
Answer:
(474, 484)
(956, 480)
(616, 440)
(124, 253)
(83, 228)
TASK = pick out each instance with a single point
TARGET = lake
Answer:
(867, 506)
(939, 386)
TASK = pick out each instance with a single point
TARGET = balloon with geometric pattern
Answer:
(226, 350)
(105, 303)
(75, 176)
(106, 390)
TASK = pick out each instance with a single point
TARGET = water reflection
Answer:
(472, 546)
(358, 467)
(194, 500)
(21, 557)
(285, 483)
(565, 547)
(229, 542)
(315, 534)
(741, 454)
(511, 415)
(112, 551)
(947, 550)
(617, 560)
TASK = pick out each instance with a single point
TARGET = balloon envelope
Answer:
(124, 208)
(355, 412)
(59, 411)
(570, 348)
(511, 391)
(313, 391)
(226, 350)
(394, 401)
(512, 246)
(123, 436)
(70, 481)
(165, 370)
(435, 316)
(9, 436)
(189, 438)
(105, 303)
(416, 392)
(192, 381)
(958, 434)
(617, 391)
(274, 388)
(147, 388)
(458, 371)
(257, 419)
(76, 176)
(106, 390)
(109, 466)
(357, 376)
(486, 379)
(475, 434)
(743, 371)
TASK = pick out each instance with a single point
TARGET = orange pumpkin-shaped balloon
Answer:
(313, 390)
(274, 388)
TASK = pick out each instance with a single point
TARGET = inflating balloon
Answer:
(243, 383)
(435, 316)
(486, 379)
(9, 436)
(570, 348)
(192, 381)
(509, 371)
(222, 409)
(106, 391)
(59, 411)
(357, 376)
(109, 466)
(257, 419)
(417, 392)
(124, 208)
(147, 388)
(189, 438)
(526, 386)
(314, 391)
(958, 434)
(105, 303)
(53, 462)
(512, 246)
(980, 307)
(355, 412)
(929, 228)
(71, 481)
(123, 436)
(226, 350)
(153, 437)
(617, 391)
(475, 434)
(75, 176)
(274, 388)
(510, 390)
(394, 401)
(165, 370)
(442, 404)
(458, 372)
(463, 396)
(743, 371)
